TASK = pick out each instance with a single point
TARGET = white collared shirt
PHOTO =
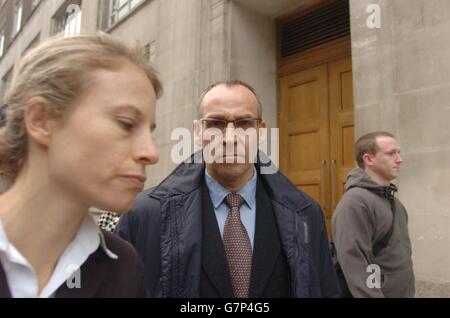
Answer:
(23, 281)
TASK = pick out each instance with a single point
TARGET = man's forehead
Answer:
(229, 97)
(229, 91)
(387, 142)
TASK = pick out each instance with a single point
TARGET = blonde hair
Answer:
(56, 70)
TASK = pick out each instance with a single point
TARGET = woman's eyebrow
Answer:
(130, 108)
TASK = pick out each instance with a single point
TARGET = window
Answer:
(17, 24)
(68, 19)
(120, 8)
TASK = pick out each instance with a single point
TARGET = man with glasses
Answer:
(222, 227)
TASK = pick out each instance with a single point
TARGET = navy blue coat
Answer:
(165, 228)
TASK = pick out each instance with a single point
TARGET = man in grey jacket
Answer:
(370, 226)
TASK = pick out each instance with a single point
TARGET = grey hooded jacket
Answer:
(362, 218)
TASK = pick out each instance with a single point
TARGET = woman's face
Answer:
(100, 148)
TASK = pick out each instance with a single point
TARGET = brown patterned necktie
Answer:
(238, 249)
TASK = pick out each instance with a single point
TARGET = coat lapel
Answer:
(267, 247)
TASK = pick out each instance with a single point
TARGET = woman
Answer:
(77, 132)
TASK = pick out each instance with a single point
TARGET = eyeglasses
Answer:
(222, 124)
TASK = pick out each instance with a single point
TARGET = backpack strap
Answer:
(389, 194)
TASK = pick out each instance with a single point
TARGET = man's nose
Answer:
(230, 127)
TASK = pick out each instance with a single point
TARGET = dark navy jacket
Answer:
(165, 228)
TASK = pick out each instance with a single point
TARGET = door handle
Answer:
(322, 181)
(333, 205)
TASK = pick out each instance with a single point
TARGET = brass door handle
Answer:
(322, 181)
(333, 205)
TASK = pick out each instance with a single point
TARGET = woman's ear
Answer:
(38, 120)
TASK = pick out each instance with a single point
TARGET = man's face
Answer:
(386, 162)
(230, 155)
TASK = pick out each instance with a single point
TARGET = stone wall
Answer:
(402, 84)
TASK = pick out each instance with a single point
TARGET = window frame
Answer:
(114, 15)
(17, 17)
(2, 42)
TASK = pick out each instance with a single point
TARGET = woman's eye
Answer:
(125, 124)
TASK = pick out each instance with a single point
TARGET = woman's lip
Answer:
(135, 179)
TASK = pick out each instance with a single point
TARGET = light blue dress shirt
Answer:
(248, 210)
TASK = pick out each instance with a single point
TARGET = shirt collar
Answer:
(218, 192)
(92, 237)
(4, 242)
(24, 281)
(89, 237)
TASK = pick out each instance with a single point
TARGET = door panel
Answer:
(304, 145)
(342, 127)
(317, 131)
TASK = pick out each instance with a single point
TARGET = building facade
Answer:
(326, 71)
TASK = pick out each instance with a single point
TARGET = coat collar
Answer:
(188, 177)
(267, 244)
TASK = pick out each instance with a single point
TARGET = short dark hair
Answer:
(227, 83)
(367, 144)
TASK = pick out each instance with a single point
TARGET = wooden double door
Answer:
(316, 123)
